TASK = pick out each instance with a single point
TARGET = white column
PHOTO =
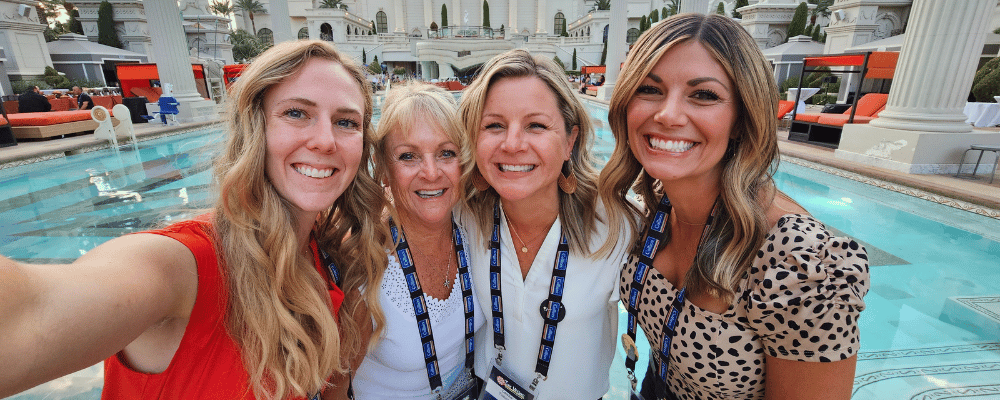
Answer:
(172, 62)
(616, 48)
(281, 23)
(456, 13)
(398, 9)
(428, 13)
(922, 129)
(542, 8)
(512, 12)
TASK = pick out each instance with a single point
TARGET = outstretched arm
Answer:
(57, 319)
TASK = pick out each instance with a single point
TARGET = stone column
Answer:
(542, 18)
(512, 14)
(281, 22)
(922, 129)
(397, 8)
(173, 63)
(618, 21)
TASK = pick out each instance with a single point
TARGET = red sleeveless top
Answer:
(207, 365)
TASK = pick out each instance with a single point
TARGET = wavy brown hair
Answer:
(746, 184)
(279, 311)
(577, 213)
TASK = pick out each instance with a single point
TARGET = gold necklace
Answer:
(685, 223)
(524, 247)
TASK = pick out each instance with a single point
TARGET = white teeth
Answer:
(313, 172)
(425, 194)
(516, 168)
(674, 146)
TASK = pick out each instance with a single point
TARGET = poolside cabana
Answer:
(787, 58)
(875, 68)
(80, 58)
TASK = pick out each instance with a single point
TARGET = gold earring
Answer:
(568, 182)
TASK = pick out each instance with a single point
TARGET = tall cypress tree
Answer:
(604, 53)
(106, 33)
(486, 14)
(574, 59)
(721, 9)
(654, 16)
(444, 15)
(798, 24)
(739, 3)
(364, 56)
(643, 24)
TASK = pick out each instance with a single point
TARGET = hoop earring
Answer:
(567, 182)
(479, 182)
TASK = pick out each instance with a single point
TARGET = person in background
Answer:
(742, 293)
(419, 157)
(533, 207)
(248, 301)
(33, 101)
(83, 100)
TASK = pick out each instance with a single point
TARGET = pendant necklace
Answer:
(524, 248)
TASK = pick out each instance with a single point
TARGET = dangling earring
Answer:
(479, 182)
(567, 182)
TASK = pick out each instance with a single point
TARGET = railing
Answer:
(448, 32)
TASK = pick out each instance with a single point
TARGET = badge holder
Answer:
(500, 386)
(463, 386)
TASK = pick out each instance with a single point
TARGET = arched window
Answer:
(304, 33)
(265, 35)
(633, 34)
(355, 30)
(588, 31)
(326, 32)
(560, 21)
(381, 22)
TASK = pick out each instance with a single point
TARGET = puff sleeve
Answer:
(806, 292)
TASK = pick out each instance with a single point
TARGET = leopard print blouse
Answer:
(799, 301)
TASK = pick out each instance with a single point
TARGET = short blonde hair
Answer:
(577, 215)
(416, 103)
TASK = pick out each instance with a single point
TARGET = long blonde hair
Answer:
(577, 214)
(748, 166)
(279, 311)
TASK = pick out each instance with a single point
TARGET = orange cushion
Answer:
(840, 119)
(3, 121)
(785, 107)
(152, 94)
(811, 117)
(870, 103)
(117, 99)
(72, 103)
(48, 118)
(60, 104)
(103, 101)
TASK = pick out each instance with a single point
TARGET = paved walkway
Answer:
(941, 188)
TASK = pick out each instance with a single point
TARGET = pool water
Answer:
(931, 329)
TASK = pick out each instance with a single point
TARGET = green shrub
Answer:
(987, 87)
(399, 71)
(85, 83)
(374, 67)
(20, 87)
(106, 33)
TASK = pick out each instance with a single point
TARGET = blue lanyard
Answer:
(552, 308)
(420, 304)
(330, 266)
(655, 236)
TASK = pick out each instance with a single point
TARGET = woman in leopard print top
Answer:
(741, 293)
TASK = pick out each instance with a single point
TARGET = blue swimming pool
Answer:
(931, 329)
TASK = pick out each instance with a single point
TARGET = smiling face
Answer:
(315, 137)
(424, 172)
(681, 117)
(522, 141)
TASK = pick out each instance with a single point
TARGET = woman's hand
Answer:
(791, 380)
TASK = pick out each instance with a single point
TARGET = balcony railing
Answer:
(450, 32)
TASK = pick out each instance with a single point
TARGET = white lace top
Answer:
(395, 369)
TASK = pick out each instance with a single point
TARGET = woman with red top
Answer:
(241, 303)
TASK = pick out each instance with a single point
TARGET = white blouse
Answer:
(585, 340)
(395, 369)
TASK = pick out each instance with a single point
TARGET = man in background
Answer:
(83, 101)
(33, 101)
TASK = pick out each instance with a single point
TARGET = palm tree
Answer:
(673, 7)
(223, 8)
(250, 7)
(602, 5)
(332, 4)
(822, 8)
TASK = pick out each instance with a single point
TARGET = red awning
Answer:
(881, 64)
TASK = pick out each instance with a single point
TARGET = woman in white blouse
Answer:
(426, 293)
(533, 209)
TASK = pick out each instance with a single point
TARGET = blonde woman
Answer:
(741, 292)
(426, 293)
(533, 207)
(248, 301)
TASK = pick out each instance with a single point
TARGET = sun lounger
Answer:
(43, 125)
(824, 129)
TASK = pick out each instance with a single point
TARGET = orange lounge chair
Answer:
(840, 119)
(868, 105)
(43, 125)
(152, 94)
(785, 107)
